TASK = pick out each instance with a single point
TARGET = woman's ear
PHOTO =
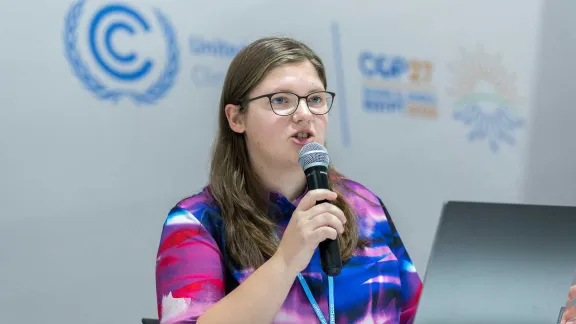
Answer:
(235, 118)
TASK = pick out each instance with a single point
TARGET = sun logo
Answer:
(485, 98)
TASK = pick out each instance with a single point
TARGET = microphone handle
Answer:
(317, 177)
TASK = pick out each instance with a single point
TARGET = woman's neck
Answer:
(290, 183)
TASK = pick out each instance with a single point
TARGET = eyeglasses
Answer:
(286, 103)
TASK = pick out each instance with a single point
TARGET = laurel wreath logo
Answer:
(152, 94)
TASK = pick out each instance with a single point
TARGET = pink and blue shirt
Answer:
(379, 284)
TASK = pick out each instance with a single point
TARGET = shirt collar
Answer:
(286, 207)
(275, 196)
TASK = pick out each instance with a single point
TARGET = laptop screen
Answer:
(499, 263)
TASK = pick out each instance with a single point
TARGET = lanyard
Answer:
(313, 302)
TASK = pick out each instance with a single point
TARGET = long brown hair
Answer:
(234, 184)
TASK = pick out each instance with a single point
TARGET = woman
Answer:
(219, 259)
(569, 315)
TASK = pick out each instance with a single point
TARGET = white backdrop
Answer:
(87, 181)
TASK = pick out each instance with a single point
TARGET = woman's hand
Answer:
(310, 224)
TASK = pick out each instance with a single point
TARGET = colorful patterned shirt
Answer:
(377, 285)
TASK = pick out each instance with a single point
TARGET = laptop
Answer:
(495, 263)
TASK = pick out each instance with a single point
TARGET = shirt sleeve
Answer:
(411, 283)
(189, 269)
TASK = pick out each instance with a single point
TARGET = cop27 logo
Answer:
(397, 84)
(394, 67)
(112, 49)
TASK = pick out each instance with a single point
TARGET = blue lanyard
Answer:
(313, 302)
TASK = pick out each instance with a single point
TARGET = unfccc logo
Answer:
(102, 51)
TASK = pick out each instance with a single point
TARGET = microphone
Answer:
(314, 159)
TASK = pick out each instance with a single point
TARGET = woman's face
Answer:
(274, 141)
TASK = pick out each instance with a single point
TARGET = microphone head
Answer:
(313, 154)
